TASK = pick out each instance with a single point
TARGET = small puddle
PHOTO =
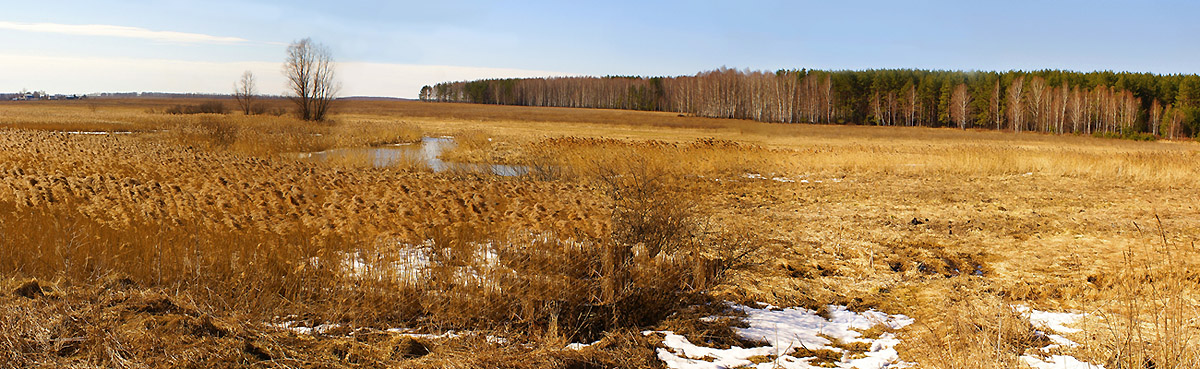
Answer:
(426, 152)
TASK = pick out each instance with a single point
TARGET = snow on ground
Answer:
(787, 330)
(1056, 323)
(447, 335)
(783, 179)
(299, 327)
(1058, 362)
(580, 346)
(325, 328)
(98, 133)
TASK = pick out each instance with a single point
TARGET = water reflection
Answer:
(426, 152)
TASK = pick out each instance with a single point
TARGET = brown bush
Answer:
(209, 107)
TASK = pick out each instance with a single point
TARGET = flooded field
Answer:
(426, 153)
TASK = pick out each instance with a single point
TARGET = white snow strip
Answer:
(450, 334)
(783, 179)
(97, 133)
(408, 333)
(301, 329)
(1055, 321)
(1059, 362)
(787, 330)
(580, 346)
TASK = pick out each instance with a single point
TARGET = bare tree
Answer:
(1016, 108)
(309, 70)
(1037, 102)
(244, 90)
(960, 105)
(1156, 114)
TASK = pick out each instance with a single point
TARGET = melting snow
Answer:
(98, 132)
(1058, 362)
(788, 330)
(1055, 322)
(580, 346)
(299, 328)
(782, 179)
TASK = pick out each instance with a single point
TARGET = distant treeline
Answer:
(1102, 103)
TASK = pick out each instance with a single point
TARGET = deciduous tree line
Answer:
(1046, 101)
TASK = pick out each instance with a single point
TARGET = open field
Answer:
(205, 239)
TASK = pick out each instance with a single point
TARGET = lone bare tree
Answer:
(311, 83)
(244, 91)
(960, 105)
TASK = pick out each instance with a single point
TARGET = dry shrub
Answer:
(208, 107)
(573, 287)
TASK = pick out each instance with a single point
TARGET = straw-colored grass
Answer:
(623, 219)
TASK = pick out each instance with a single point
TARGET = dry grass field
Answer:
(203, 240)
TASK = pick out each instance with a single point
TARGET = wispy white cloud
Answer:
(119, 31)
(97, 74)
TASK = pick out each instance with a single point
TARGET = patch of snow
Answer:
(803, 181)
(1059, 362)
(1055, 322)
(299, 328)
(754, 176)
(408, 333)
(787, 330)
(580, 346)
(783, 179)
(98, 133)
(450, 334)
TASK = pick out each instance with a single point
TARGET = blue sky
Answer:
(391, 48)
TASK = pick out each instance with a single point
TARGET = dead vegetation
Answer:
(193, 239)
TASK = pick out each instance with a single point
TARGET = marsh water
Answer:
(426, 152)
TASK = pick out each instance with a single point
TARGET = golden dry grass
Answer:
(947, 226)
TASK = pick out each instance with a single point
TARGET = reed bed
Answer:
(207, 233)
